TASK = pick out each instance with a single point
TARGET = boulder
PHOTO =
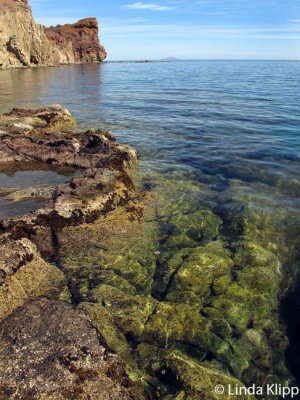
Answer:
(50, 350)
(25, 276)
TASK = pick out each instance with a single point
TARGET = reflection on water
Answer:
(10, 210)
(15, 178)
(24, 175)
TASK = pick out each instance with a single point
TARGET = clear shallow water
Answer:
(232, 126)
(220, 119)
(24, 176)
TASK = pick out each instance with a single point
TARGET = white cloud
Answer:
(148, 6)
(295, 20)
(198, 33)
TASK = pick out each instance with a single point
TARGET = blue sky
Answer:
(192, 29)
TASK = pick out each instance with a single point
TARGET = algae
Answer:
(186, 283)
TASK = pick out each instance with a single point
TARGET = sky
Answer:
(191, 29)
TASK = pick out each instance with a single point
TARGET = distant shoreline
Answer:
(192, 60)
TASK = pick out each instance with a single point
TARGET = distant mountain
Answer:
(170, 59)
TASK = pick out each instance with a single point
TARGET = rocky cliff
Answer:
(78, 42)
(24, 43)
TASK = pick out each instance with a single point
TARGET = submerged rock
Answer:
(215, 300)
(116, 250)
(192, 380)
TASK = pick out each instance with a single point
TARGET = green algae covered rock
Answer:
(192, 297)
(167, 266)
(194, 279)
(178, 326)
(129, 313)
(102, 321)
(25, 276)
(118, 250)
(190, 229)
(193, 380)
(169, 325)
(261, 214)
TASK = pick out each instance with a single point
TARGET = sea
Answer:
(231, 126)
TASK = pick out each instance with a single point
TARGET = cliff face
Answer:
(24, 43)
(78, 42)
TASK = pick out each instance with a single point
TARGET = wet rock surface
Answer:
(103, 184)
(50, 350)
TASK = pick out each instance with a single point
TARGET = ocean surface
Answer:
(219, 119)
(232, 126)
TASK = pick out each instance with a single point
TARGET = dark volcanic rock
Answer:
(49, 350)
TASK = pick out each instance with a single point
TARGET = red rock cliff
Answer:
(78, 42)
(24, 43)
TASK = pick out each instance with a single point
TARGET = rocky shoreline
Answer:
(85, 365)
(133, 287)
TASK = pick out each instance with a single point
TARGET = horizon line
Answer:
(145, 60)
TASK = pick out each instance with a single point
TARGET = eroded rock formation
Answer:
(36, 135)
(78, 42)
(24, 43)
(26, 276)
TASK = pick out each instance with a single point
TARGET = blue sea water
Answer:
(219, 119)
